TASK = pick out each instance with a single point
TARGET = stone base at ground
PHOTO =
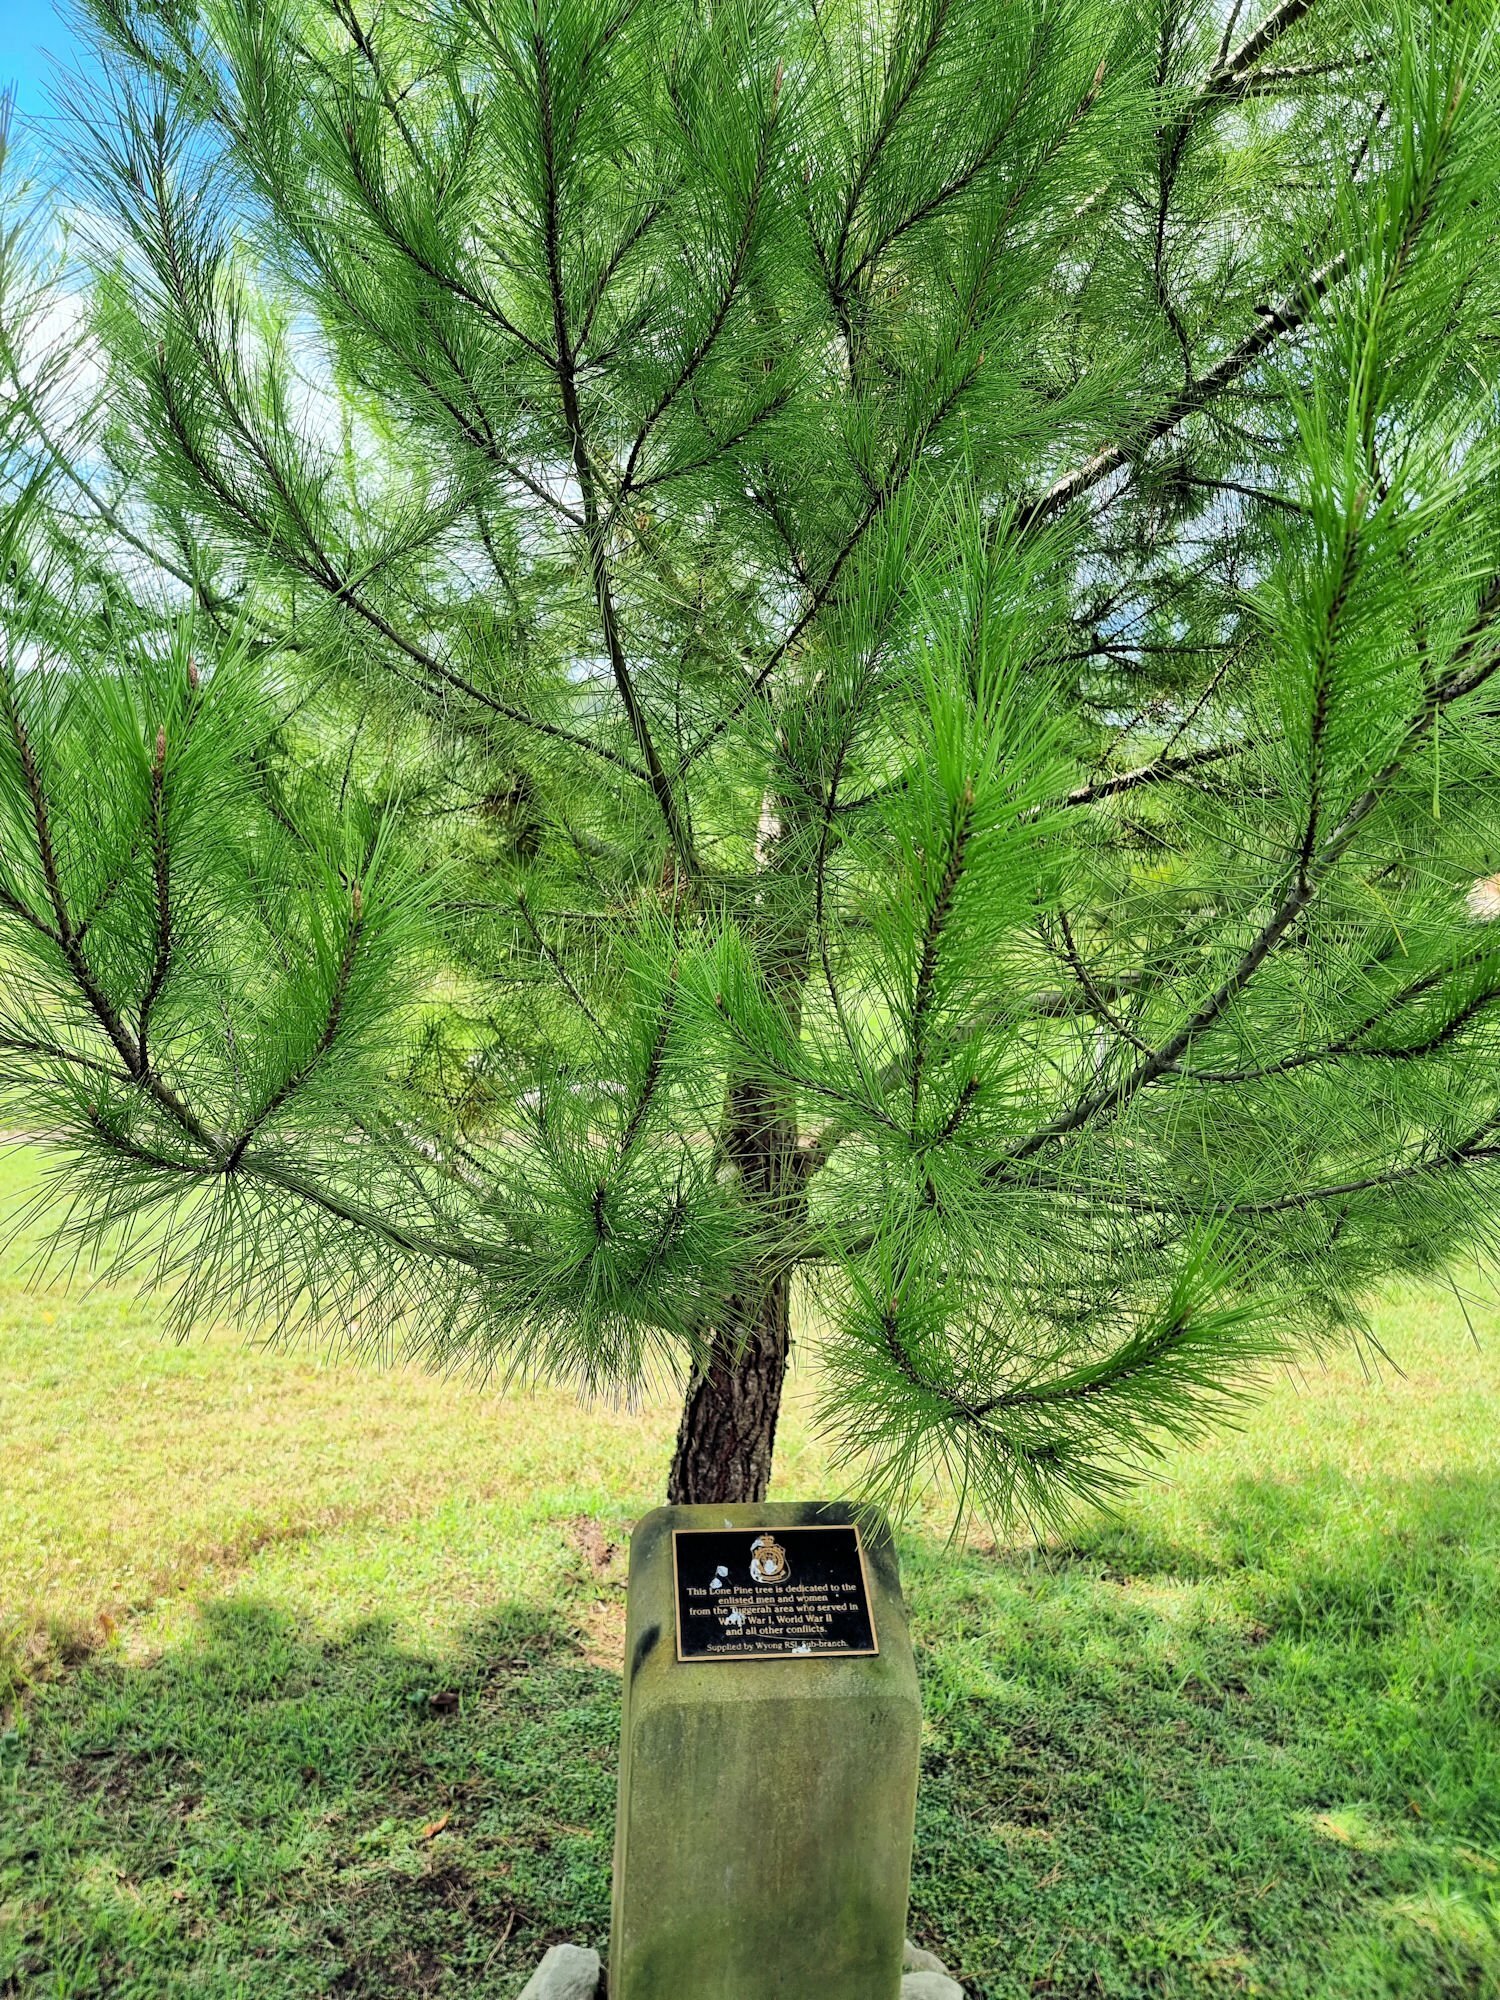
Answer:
(569, 1972)
(914, 1959)
(930, 1986)
(925, 1977)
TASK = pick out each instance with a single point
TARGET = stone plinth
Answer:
(763, 1843)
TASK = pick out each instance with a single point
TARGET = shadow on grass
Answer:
(1267, 1763)
(1272, 1768)
(268, 1810)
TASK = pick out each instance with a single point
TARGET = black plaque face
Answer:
(772, 1594)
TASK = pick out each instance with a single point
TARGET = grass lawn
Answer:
(309, 1674)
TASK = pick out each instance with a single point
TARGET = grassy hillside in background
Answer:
(309, 1677)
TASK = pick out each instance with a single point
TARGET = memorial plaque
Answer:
(782, 1593)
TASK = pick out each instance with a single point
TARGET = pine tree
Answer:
(679, 674)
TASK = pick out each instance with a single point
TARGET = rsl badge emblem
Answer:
(768, 1560)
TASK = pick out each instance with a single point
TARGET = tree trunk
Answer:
(728, 1428)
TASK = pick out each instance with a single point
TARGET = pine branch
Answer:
(1477, 657)
(1228, 74)
(1352, 1043)
(826, 823)
(1323, 682)
(938, 914)
(1097, 1004)
(651, 1081)
(254, 1169)
(595, 530)
(156, 822)
(881, 499)
(1261, 494)
(107, 1016)
(296, 1078)
(345, 13)
(378, 209)
(756, 1058)
(1158, 771)
(704, 346)
(316, 564)
(609, 271)
(1276, 323)
(1111, 1377)
(1227, 80)
(16, 908)
(1226, 40)
(211, 602)
(1171, 146)
(55, 1052)
(1472, 1151)
(953, 189)
(478, 430)
(564, 977)
(1266, 82)
(896, 101)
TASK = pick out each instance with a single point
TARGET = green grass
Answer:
(312, 1684)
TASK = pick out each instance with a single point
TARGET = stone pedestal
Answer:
(763, 1843)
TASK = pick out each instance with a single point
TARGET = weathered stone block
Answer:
(763, 1844)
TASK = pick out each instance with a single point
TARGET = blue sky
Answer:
(30, 32)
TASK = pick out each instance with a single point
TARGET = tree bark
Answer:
(728, 1428)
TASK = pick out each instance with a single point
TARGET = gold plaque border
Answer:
(771, 1528)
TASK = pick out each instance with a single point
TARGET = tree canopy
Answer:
(679, 675)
